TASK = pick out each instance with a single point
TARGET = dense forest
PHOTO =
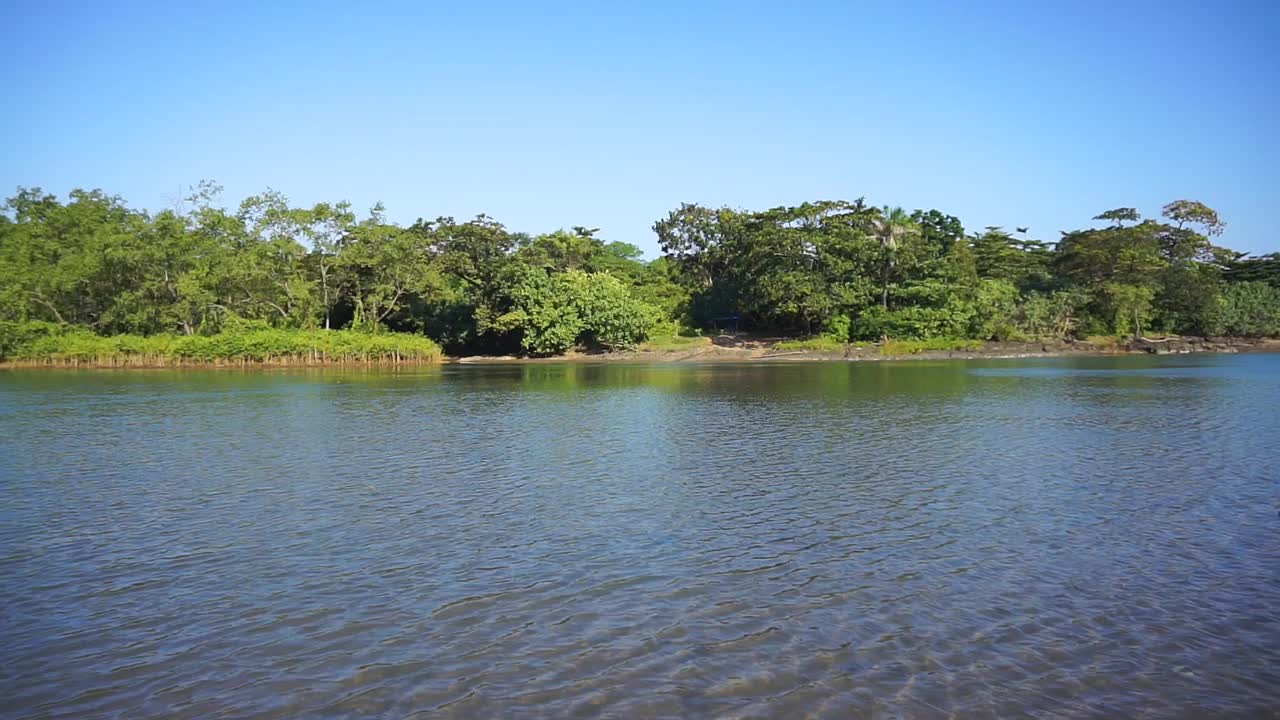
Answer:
(194, 276)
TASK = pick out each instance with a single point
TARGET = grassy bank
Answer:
(915, 347)
(813, 344)
(823, 344)
(44, 344)
(674, 343)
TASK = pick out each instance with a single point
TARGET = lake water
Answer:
(1091, 537)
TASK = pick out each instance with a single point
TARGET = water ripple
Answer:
(1069, 538)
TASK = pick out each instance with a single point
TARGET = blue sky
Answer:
(612, 114)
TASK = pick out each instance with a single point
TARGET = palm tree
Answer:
(890, 226)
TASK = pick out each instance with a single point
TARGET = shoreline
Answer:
(763, 352)
(722, 349)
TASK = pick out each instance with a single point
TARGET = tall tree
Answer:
(890, 226)
(388, 266)
(1194, 212)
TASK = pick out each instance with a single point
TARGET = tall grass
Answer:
(37, 344)
(1103, 342)
(673, 343)
(914, 347)
(669, 336)
(819, 343)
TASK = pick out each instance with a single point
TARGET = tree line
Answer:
(853, 270)
(842, 270)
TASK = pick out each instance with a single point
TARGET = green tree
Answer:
(552, 313)
(322, 228)
(480, 255)
(388, 266)
(1120, 216)
(1193, 212)
(611, 317)
(1130, 306)
(1239, 267)
(890, 226)
(562, 250)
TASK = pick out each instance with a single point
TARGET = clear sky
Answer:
(610, 114)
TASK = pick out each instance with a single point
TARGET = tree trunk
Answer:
(46, 303)
(324, 289)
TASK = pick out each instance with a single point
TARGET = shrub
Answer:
(993, 316)
(839, 329)
(1055, 315)
(16, 335)
(610, 316)
(951, 320)
(53, 344)
(555, 312)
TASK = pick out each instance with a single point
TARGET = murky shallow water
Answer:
(1087, 537)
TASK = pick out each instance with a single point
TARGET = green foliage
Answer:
(1249, 309)
(1053, 315)
(15, 336)
(995, 310)
(669, 335)
(1130, 307)
(611, 317)
(40, 342)
(821, 343)
(914, 347)
(1186, 298)
(838, 328)
(1000, 256)
(1103, 341)
(1242, 268)
(802, 269)
(1196, 213)
(1120, 215)
(544, 314)
(951, 320)
(673, 343)
(387, 268)
(75, 272)
(555, 312)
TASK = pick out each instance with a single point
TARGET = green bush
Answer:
(553, 313)
(914, 322)
(16, 335)
(610, 316)
(1053, 315)
(49, 343)
(839, 329)
(1130, 307)
(994, 309)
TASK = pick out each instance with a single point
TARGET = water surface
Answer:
(1046, 538)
